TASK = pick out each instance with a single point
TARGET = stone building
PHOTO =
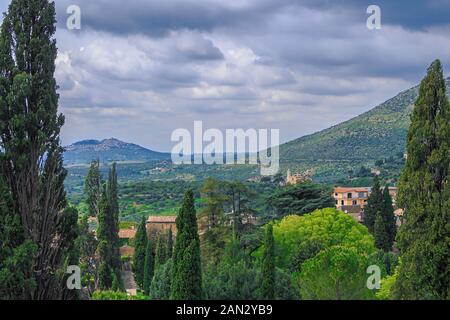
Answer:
(298, 177)
(161, 224)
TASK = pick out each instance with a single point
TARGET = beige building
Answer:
(298, 177)
(129, 233)
(161, 224)
(352, 200)
(350, 196)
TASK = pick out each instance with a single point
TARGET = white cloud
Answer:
(274, 64)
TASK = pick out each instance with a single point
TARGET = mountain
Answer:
(376, 134)
(109, 150)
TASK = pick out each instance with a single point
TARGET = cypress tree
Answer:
(268, 265)
(424, 195)
(92, 188)
(115, 286)
(374, 205)
(169, 243)
(389, 218)
(103, 230)
(104, 271)
(160, 252)
(113, 200)
(104, 276)
(161, 282)
(108, 228)
(186, 273)
(29, 135)
(380, 233)
(15, 252)
(148, 267)
(140, 246)
(87, 244)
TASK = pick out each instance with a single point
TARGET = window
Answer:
(349, 195)
(336, 201)
(354, 202)
(342, 202)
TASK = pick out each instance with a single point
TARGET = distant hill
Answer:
(109, 150)
(378, 133)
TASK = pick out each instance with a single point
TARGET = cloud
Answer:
(139, 69)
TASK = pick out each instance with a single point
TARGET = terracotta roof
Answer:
(162, 219)
(350, 189)
(127, 233)
(126, 251)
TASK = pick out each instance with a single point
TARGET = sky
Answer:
(139, 69)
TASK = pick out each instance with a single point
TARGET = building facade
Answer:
(345, 197)
(298, 177)
(157, 225)
(352, 200)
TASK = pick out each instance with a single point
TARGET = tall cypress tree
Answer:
(104, 247)
(160, 252)
(29, 132)
(268, 265)
(389, 218)
(92, 188)
(87, 244)
(169, 243)
(374, 205)
(107, 232)
(149, 267)
(140, 245)
(15, 253)
(186, 272)
(424, 195)
(113, 200)
(381, 234)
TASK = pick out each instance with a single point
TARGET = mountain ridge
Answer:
(109, 150)
(377, 133)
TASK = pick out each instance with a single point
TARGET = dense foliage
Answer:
(31, 152)
(149, 267)
(299, 199)
(107, 233)
(140, 245)
(186, 270)
(298, 238)
(92, 188)
(379, 216)
(268, 265)
(336, 273)
(424, 193)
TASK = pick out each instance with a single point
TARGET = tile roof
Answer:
(126, 251)
(127, 233)
(350, 189)
(162, 219)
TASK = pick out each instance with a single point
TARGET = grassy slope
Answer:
(376, 134)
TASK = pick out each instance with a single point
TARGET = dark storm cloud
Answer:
(141, 68)
(158, 17)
